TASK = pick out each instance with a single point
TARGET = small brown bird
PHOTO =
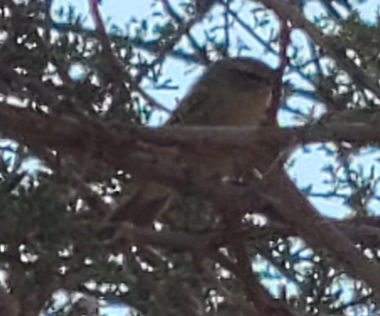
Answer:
(232, 92)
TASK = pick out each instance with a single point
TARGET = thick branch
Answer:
(76, 138)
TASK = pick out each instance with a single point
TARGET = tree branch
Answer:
(287, 11)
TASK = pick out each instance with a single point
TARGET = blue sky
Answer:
(122, 10)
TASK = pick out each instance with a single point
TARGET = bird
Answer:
(234, 91)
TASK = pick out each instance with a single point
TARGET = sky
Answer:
(307, 168)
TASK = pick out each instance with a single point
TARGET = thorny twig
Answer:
(284, 60)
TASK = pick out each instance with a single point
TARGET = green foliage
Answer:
(53, 224)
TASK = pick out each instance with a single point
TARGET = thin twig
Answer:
(115, 63)
(288, 11)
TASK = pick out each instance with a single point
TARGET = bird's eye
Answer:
(250, 75)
